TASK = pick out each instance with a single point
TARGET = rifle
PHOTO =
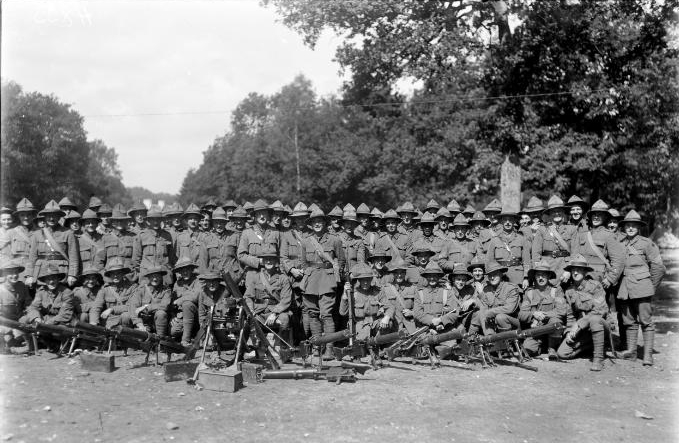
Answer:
(26, 329)
(233, 288)
(371, 346)
(406, 345)
(352, 321)
(337, 374)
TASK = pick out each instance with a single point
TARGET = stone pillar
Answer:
(510, 184)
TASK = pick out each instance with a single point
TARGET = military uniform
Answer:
(401, 298)
(193, 245)
(607, 245)
(91, 250)
(185, 302)
(119, 244)
(14, 299)
(457, 251)
(552, 243)
(153, 247)
(499, 303)
(51, 306)
(251, 243)
(268, 294)
(19, 246)
(550, 301)
(369, 308)
(513, 251)
(157, 301)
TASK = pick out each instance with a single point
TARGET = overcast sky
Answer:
(128, 57)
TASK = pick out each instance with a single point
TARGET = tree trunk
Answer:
(510, 184)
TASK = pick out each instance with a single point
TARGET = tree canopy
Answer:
(46, 154)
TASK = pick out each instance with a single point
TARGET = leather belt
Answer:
(512, 262)
(18, 255)
(320, 265)
(555, 254)
(51, 256)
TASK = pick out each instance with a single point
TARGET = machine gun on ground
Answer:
(337, 374)
(29, 330)
(370, 346)
(148, 342)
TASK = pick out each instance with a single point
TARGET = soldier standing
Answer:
(104, 213)
(137, 213)
(173, 220)
(510, 249)
(324, 263)
(20, 236)
(553, 242)
(534, 209)
(188, 242)
(254, 239)
(53, 245)
(460, 249)
(578, 207)
(152, 247)
(90, 242)
(119, 242)
(644, 270)
(215, 245)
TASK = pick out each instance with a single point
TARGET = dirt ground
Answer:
(48, 399)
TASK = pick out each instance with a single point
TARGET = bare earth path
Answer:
(46, 399)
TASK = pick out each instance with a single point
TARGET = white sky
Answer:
(152, 56)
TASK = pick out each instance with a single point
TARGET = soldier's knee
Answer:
(160, 315)
(565, 351)
(283, 321)
(531, 346)
(596, 323)
(189, 308)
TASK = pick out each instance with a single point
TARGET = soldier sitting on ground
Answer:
(184, 300)
(53, 302)
(400, 294)
(150, 302)
(86, 294)
(14, 299)
(498, 303)
(111, 307)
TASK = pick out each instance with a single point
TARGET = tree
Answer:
(46, 154)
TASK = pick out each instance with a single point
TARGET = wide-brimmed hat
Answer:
(397, 264)
(184, 262)
(219, 214)
(599, 206)
(442, 214)
(460, 269)
(119, 213)
(615, 214)
(89, 215)
(632, 217)
(477, 262)
(578, 261)
(66, 203)
(287, 210)
(427, 218)
(6, 210)
(479, 217)
(115, 264)
(313, 207)
(494, 266)
(192, 209)
(154, 212)
(432, 268)
(406, 208)
(376, 214)
(432, 205)
(361, 270)
(172, 210)
(138, 206)
(95, 202)
(534, 205)
(348, 208)
(542, 266)
(363, 209)
(248, 206)
(391, 215)
(350, 216)
(239, 212)
(277, 206)
(380, 253)
(104, 209)
(92, 270)
(577, 201)
(156, 269)
(268, 251)
(51, 270)
(210, 205)
(229, 204)
(52, 208)
(469, 210)
(460, 221)
(8, 265)
(317, 213)
(25, 205)
(454, 207)
(260, 205)
(494, 207)
(421, 247)
(210, 275)
(554, 202)
(508, 213)
(300, 210)
(73, 215)
(336, 212)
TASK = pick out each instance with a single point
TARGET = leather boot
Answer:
(649, 337)
(598, 351)
(328, 327)
(631, 333)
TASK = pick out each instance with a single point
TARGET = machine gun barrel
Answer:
(386, 339)
(323, 339)
(435, 339)
(129, 333)
(541, 330)
(13, 324)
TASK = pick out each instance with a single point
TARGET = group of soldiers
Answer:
(302, 270)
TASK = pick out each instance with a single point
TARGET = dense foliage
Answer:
(46, 154)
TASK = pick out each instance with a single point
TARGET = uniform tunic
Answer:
(321, 276)
(402, 298)
(354, 251)
(513, 251)
(43, 254)
(19, 239)
(83, 300)
(119, 244)
(546, 246)
(91, 251)
(158, 301)
(398, 244)
(215, 250)
(269, 293)
(500, 303)
(369, 308)
(51, 306)
(611, 249)
(116, 298)
(457, 251)
(151, 248)
(14, 299)
(191, 244)
(292, 255)
(436, 302)
(251, 244)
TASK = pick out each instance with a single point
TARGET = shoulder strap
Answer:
(392, 245)
(392, 288)
(319, 250)
(555, 234)
(267, 285)
(445, 296)
(596, 249)
(52, 243)
(419, 291)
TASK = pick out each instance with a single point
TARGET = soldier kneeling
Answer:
(586, 299)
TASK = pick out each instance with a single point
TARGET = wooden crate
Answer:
(97, 362)
(228, 380)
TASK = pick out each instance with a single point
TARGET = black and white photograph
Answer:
(339, 221)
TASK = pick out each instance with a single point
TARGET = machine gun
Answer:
(482, 345)
(29, 330)
(337, 374)
(370, 346)
(306, 348)
(148, 342)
